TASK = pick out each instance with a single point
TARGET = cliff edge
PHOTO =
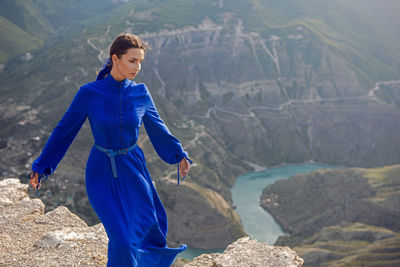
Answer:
(30, 237)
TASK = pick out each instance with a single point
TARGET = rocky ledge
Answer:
(30, 237)
(245, 252)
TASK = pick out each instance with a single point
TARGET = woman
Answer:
(118, 184)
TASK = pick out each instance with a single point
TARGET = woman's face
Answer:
(129, 65)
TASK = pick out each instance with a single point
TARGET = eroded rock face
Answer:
(207, 223)
(30, 237)
(289, 106)
(245, 252)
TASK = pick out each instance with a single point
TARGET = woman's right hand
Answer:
(34, 180)
(184, 167)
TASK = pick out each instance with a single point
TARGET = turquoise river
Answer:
(246, 193)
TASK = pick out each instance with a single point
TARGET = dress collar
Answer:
(114, 83)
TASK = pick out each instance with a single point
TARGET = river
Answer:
(246, 193)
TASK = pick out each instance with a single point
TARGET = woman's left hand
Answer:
(184, 167)
(34, 180)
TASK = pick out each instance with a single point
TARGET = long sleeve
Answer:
(62, 136)
(167, 146)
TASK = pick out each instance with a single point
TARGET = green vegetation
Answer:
(381, 253)
(14, 40)
(28, 25)
(362, 240)
(383, 175)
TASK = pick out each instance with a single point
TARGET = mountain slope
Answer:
(11, 41)
(28, 25)
(335, 217)
(365, 32)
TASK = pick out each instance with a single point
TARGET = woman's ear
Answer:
(114, 59)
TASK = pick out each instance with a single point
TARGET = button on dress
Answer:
(127, 205)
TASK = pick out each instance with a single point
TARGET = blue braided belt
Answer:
(111, 153)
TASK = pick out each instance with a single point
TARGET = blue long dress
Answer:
(127, 205)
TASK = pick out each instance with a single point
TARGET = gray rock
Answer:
(204, 260)
(249, 253)
(32, 238)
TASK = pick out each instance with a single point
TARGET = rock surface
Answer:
(249, 253)
(30, 237)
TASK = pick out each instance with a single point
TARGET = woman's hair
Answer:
(125, 41)
(120, 46)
